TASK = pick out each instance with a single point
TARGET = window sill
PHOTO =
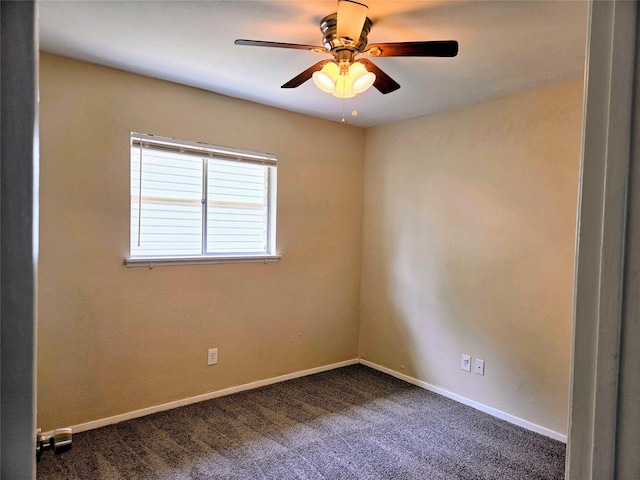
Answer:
(151, 262)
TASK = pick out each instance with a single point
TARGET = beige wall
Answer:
(469, 232)
(115, 339)
(467, 247)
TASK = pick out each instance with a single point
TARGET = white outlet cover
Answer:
(465, 362)
(212, 356)
(479, 367)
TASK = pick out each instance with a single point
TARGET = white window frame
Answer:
(233, 154)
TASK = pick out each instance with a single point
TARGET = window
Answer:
(192, 202)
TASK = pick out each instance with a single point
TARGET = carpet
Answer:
(349, 423)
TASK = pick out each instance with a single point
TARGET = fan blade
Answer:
(351, 18)
(439, 48)
(304, 76)
(295, 46)
(384, 83)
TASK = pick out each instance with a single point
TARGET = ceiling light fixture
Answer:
(325, 79)
(362, 79)
(344, 80)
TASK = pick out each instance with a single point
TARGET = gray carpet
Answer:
(349, 423)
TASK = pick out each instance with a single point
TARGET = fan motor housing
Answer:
(331, 41)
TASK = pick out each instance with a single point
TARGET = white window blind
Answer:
(195, 200)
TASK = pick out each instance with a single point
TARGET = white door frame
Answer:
(18, 237)
(600, 242)
(627, 461)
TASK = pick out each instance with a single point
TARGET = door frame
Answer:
(600, 241)
(18, 237)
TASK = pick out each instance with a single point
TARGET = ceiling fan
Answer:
(345, 37)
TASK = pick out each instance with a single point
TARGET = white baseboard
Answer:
(282, 378)
(472, 403)
(206, 396)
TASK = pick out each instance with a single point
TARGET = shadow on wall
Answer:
(473, 255)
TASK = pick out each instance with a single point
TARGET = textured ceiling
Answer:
(505, 47)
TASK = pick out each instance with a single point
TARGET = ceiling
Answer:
(504, 47)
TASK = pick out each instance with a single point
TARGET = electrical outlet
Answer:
(212, 357)
(479, 367)
(465, 362)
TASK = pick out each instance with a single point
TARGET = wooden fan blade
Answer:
(351, 18)
(295, 46)
(384, 83)
(438, 48)
(304, 76)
